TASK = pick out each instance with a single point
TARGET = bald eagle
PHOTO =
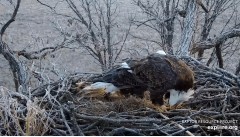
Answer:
(159, 73)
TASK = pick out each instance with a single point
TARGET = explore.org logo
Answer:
(230, 124)
(222, 127)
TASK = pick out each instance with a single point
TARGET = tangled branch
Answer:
(58, 109)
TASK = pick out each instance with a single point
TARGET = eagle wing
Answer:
(120, 77)
(156, 71)
(185, 76)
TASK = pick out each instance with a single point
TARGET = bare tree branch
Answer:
(12, 19)
(40, 53)
(218, 7)
(97, 19)
(237, 68)
(45, 4)
(160, 18)
(218, 40)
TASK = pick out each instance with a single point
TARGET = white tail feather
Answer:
(108, 87)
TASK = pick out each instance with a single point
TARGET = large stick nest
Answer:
(58, 109)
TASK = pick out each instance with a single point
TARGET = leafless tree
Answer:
(160, 17)
(21, 72)
(197, 15)
(216, 9)
(98, 22)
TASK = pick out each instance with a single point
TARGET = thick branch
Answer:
(218, 40)
(40, 53)
(210, 19)
(12, 18)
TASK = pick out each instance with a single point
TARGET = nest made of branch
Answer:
(58, 109)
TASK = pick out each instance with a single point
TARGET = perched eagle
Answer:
(158, 73)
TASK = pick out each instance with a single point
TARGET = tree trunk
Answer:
(19, 74)
(168, 27)
(188, 30)
(219, 56)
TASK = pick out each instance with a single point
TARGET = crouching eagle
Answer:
(158, 73)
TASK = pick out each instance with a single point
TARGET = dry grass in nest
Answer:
(102, 106)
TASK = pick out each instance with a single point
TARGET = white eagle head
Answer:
(177, 97)
(161, 52)
(125, 65)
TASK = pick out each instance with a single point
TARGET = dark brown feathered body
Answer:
(161, 73)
